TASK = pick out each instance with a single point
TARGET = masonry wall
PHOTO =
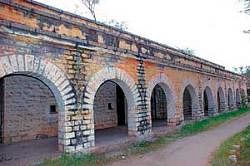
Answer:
(27, 114)
(105, 106)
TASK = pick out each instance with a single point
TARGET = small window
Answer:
(53, 109)
(110, 106)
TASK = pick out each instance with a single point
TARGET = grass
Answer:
(73, 160)
(147, 146)
(243, 153)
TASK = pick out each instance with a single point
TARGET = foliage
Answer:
(119, 25)
(91, 4)
(244, 70)
(188, 51)
(246, 6)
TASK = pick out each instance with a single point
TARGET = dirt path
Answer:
(190, 151)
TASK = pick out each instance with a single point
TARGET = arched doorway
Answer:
(118, 77)
(238, 102)
(208, 102)
(159, 114)
(161, 102)
(230, 99)
(190, 103)
(29, 110)
(110, 112)
(43, 75)
(220, 100)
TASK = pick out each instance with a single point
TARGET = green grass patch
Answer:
(74, 160)
(221, 156)
(147, 146)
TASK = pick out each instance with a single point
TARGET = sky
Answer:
(212, 28)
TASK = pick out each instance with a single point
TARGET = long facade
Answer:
(65, 75)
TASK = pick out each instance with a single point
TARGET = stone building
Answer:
(66, 76)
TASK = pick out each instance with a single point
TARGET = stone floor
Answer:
(159, 123)
(111, 135)
(111, 139)
(29, 152)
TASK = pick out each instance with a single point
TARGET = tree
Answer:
(119, 25)
(90, 5)
(188, 51)
(244, 70)
(246, 6)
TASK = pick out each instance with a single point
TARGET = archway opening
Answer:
(110, 113)
(205, 99)
(187, 103)
(238, 102)
(220, 100)
(208, 102)
(230, 99)
(29, 117)
(159, 114)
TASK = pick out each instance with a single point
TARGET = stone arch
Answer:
(237, 97)
(125, 82)
(167, 87)
(208, 95)
(230, 98)
(48, 73)
(221, 100)
(191, 107)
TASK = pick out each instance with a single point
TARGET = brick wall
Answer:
(105, 109)
(27, 110)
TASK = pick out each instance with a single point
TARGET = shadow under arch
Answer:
(208, 102)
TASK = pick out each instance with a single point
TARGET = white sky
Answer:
(213, 28)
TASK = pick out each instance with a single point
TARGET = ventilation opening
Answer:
(53, 109)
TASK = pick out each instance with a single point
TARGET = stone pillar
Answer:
(143, 115)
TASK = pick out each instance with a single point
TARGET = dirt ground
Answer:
(191, 151)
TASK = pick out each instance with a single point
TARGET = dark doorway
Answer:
(187, 105)
(205, 104)
(121, 116)
(219, 102)
(158, 107)
(1, 109)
